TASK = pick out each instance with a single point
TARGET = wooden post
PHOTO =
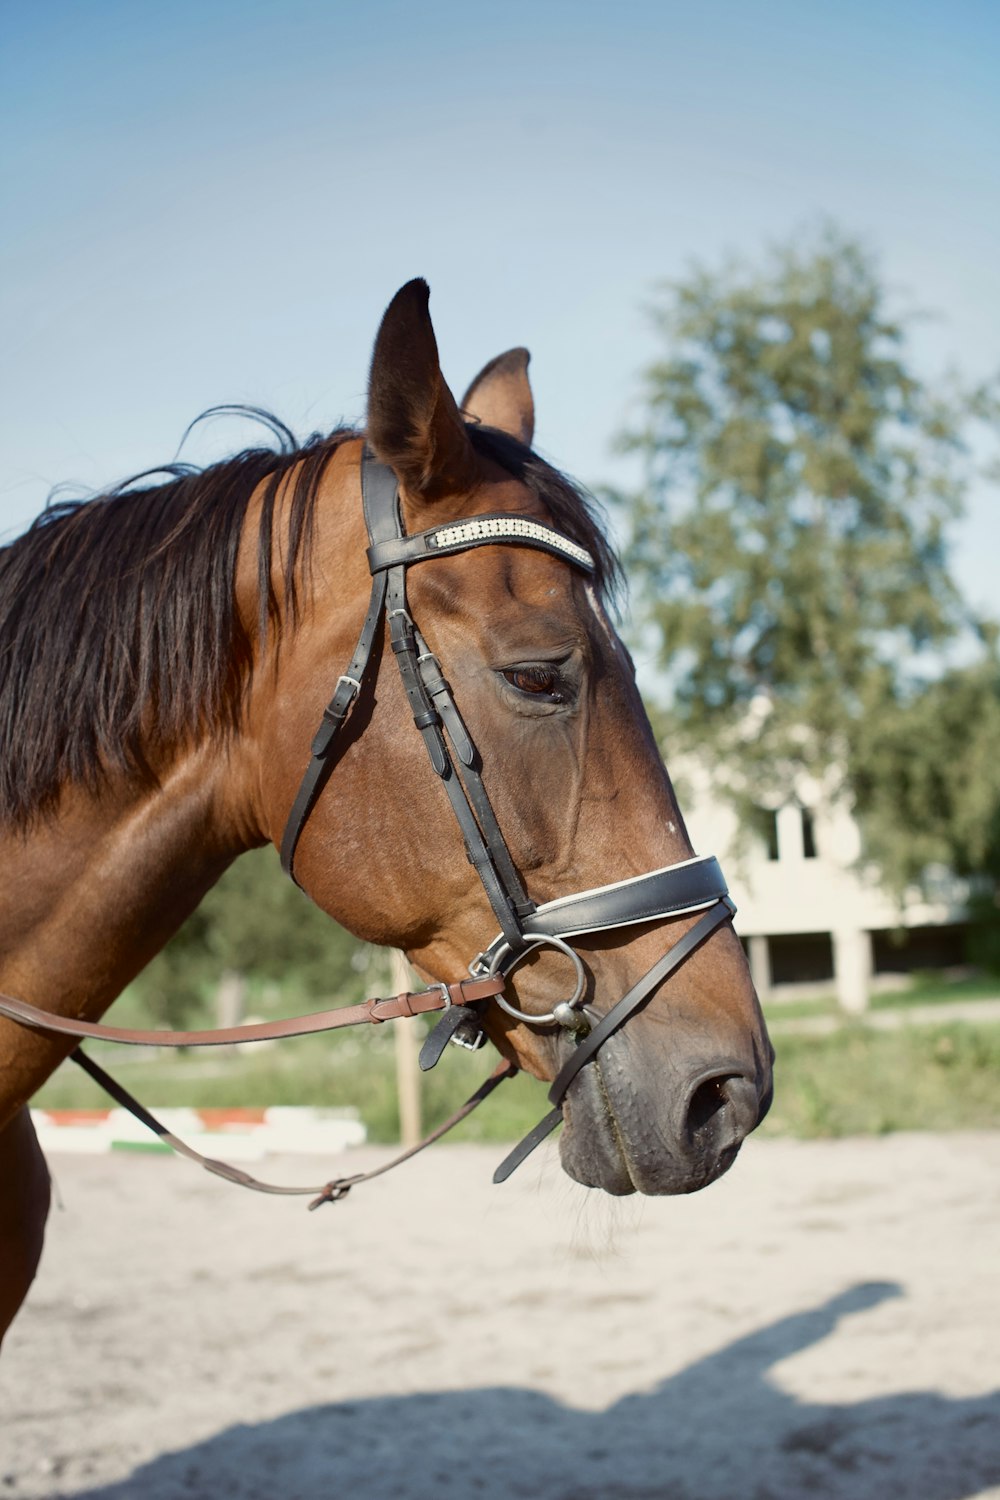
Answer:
(852, 968)
(230, 1002)
(407, 1068)
(760, 966)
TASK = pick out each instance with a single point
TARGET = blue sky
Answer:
(213, 202)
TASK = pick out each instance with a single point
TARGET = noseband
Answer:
(690, 886)
(683, 889)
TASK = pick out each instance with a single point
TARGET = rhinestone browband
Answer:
(508, 528)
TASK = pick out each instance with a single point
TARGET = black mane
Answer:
(117, 615)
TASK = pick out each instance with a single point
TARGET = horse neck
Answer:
(94, 892)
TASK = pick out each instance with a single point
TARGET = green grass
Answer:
(794, 1010)
(924, 989)
(863, 1082)
(934, 989)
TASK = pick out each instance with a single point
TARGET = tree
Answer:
(255, 923)
(789, 541)
(927, 787)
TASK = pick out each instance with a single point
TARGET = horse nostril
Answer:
(706, 1101)
(723, 1108)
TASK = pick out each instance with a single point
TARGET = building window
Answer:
(808, 835)
(801, 958)
(765, 826)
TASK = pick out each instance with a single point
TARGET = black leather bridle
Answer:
(693, 885)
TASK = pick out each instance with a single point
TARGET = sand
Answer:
(822, 1322)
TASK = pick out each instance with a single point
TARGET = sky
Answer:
(213, 202)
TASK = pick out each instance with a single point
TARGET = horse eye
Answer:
(536, 681)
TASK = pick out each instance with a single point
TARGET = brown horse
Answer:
(165, 655)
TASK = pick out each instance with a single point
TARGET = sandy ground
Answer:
(823, 1322)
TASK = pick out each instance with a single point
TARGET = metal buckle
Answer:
(470, 1041)
(445, 993)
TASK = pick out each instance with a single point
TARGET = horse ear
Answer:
(414, 425)
(501, 396)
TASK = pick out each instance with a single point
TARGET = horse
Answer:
(166, 651)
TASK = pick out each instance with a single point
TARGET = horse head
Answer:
(547, 694)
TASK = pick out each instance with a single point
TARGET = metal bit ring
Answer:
(536, 940)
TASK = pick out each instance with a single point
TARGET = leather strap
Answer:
(321, 760)
(418, 1003)
(327, 1192)
(468, 756)
(673, 891)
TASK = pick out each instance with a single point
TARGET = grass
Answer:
(856, 1081)
(935, 989)
(795, 1010)
(924, 989)
(863, 1082)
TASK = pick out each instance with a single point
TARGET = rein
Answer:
(688, 887)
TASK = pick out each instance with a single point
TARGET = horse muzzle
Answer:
(626, 1134)
(628, 1131)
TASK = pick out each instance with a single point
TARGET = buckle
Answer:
(468, 1034)
(445, 993)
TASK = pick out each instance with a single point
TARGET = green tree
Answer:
(927, 786)
(257, 924)
(789, 542)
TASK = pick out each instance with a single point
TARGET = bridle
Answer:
(692, 885)
(689, 887)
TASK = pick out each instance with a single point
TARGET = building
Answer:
(811, 914)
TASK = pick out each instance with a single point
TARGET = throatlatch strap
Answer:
(381, 511)
(321, 761)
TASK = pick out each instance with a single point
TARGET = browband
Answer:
(481, 531)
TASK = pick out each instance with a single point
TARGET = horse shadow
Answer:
(716, 1430)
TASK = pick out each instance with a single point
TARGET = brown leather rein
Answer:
(374, 1012)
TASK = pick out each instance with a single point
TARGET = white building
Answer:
(809, 912)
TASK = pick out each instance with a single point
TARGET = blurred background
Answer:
(753, 249)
